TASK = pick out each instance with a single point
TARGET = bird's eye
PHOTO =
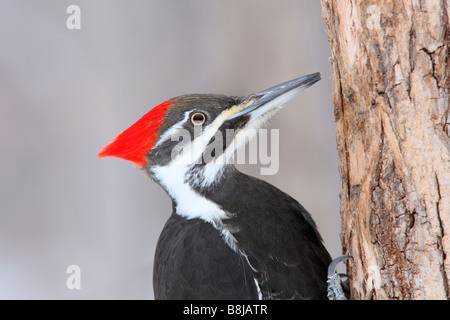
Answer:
(198, 118)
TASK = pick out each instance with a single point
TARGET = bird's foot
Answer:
(337, 289)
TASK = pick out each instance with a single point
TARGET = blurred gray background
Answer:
(65, 93)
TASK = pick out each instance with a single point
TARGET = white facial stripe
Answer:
(211, 174)
(258, 119)
(193, 151)
(170, 132)
(188, 202)
(173, 178)
(212, 170)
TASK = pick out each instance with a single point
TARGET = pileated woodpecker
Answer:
(230, 236)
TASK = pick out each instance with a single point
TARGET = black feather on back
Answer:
(276, 233)
(277, 240)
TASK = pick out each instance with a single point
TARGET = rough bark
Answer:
(391, 70)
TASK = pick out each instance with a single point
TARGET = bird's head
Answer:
(199, 133)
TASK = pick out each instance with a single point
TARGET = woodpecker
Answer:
(231, 235)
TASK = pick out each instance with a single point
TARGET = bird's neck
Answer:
(185, 185)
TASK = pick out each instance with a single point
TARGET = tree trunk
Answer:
(391, 69)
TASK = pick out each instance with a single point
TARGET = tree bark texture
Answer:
(391, 70)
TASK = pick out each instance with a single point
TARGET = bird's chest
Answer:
(194, 258)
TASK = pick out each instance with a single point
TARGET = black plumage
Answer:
(276, 239)
(193, 262)
(230, 236)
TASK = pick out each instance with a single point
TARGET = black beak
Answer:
(263, 101)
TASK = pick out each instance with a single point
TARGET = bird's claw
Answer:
(335, 290)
